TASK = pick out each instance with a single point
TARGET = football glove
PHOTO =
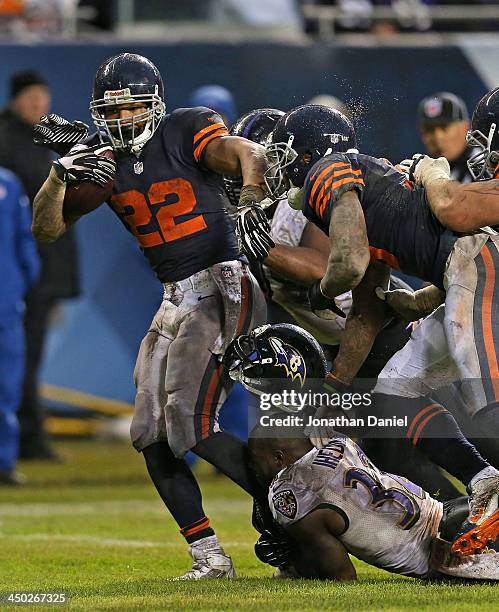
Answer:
(275, 547)
(253, 232)
(56, 133)
(85, 164)
(318, 301)
(422, 169)
(412, 305)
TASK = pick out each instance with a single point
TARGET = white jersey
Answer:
(390, 522)
(287, 227)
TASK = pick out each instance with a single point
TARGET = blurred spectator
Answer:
(258, 13)
(41, 17)
(217, 98)
(443, 123)
(20, 268)
(29, 99)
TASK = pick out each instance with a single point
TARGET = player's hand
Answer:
(318, 301)
(401, 301)
(275, 547)
(422, 169)
(85, 164)
(56, 133)
(253, 232)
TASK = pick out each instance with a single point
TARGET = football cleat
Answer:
(480, 531)
(209, 561)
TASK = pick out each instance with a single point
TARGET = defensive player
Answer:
(168, 193)
(375, 220)
(333, 501)
(299, 258)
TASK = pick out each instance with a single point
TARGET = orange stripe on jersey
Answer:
(345, 181)
(330, 185)
(202, 145)
(207, 130)
(388, 258)
(331, 168)
(488, 332)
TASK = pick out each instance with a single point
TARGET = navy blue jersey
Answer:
(174, 205)
(401, 228)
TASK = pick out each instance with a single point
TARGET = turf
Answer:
(94, 527)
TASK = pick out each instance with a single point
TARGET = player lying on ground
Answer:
(334, 501)
(298, 259)
(376, 220)
(165, 186)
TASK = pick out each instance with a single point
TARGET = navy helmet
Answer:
(276, 357)
(124, 79)
(255, 126)
(484, 134)
(300, 138)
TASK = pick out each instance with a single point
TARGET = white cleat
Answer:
(208, 561)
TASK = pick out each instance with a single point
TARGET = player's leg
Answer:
(171, 475)
(472, 330)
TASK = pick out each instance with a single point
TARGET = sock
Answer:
(179, 491)
(229, 454)
(435, 431)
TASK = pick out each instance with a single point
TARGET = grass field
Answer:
(95, 528)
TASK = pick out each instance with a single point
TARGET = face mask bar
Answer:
(478, 164)
(132, 132)
(280, 155)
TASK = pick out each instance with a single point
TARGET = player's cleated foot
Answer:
(209, 561)
(480, 531)
(286, 571)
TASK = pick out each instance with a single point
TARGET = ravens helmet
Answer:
(484, 135)
(276, 357)
(300, 138)
(125, 79)
(255, 126)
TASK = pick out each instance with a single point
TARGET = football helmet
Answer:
(124, 79)
(255, 126)
(484, 135)
(276, 357)
(300, 138)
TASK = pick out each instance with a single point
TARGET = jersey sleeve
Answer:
(289, 503)
(332, 178)
(199, 126)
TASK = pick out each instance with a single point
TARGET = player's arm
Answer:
(81, 164)
(305, 263)
(322, 554)
(349, 247)
(237, 157)
(412, 305)
(364, 322)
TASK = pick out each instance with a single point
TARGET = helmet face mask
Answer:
(483, 164)
(280, 156)
(127, 81)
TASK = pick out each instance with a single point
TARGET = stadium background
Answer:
(94, 339)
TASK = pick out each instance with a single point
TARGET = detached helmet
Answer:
(123, 79)
(276, 357)
(300, 138)
(255, 126)
(484, 134)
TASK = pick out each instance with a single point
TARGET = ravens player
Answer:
(377, 220)
(334, 501)
(168, 193)
(299, 258)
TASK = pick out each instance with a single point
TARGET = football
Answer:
(82, 198)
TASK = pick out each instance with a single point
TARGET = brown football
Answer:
(82, 198)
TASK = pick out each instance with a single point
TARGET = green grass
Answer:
(95, 528)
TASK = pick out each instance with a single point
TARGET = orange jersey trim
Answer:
(207, 130)
(381, 254)
(202, 145)
(207, 407)
(330, 168)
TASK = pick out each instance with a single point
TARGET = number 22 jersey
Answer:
(174, 206)
(390, 522)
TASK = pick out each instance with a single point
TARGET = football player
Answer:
(377, 220)
(334, 501)
(299, 258)
(168, 193)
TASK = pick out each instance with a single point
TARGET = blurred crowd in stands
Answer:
(39, 18)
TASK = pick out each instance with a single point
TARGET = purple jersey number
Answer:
(380, 496)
